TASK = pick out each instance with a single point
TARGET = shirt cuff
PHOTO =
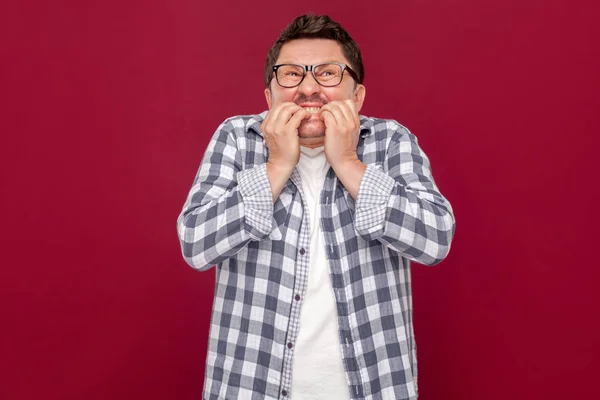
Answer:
(371, 204)
(255, 189)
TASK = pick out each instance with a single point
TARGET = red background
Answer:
(108, 106)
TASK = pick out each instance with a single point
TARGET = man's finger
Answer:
(274, 114)
(352, 104)
(286, 112)
(298, 117)
(328, 118)
(335, 110)
(348, 112)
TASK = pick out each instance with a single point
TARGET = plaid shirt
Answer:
(261, 252)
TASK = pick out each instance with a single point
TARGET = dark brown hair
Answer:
(311, 26)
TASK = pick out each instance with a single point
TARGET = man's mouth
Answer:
(312, 110)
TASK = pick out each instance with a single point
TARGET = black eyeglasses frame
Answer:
(311, 68)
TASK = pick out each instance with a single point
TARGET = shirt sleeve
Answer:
(226, 207)
(400, 205)
(257, 197)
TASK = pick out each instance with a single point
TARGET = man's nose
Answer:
(309, 85)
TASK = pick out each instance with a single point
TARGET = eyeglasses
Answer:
(327, 74)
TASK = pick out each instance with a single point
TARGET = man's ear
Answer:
(269, 97)
(359, 96)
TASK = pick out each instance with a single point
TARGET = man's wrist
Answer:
(346, 163)
(278, 174)
(350, 173)
(281, 168)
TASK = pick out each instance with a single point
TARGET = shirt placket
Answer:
(337, 281)
(300, 285)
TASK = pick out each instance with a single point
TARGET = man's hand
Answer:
(342, 125)
(341, 134)
(280, 130)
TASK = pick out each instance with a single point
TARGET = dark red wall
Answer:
(107, 108)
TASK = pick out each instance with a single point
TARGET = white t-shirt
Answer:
(318, 370)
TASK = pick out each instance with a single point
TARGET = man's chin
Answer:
(311, 129)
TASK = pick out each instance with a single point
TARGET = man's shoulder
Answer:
(375, 125)
(244, 123)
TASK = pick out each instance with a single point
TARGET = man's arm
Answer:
(226, 206)
(401, 206)
(398, 205)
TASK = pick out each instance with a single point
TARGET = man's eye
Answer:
(326, 73)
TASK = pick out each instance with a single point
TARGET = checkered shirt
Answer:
(261, 251)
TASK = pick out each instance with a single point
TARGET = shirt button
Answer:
(290, 345)
(284, 392)
(302, 251)
(297, 297)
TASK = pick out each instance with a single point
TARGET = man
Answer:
(311, 214)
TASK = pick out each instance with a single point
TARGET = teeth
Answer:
(312, 110)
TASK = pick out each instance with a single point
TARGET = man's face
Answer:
(309, 94)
